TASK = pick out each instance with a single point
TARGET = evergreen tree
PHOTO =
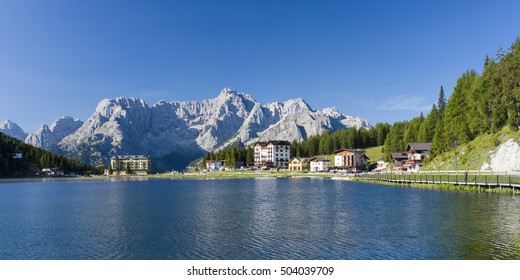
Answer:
(458, 112)
(412, 131)
(427, 128)
(441, 102)
(128, 170)
(439, 144)
(395, 139)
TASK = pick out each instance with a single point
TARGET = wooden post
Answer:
(498, 183)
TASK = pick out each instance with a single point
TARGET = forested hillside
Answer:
(34, 159)
(479, 104)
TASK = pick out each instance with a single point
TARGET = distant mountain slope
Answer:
(185, 130)
(45, 137)
(12, 129)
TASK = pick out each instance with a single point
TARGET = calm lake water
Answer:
(252, 219)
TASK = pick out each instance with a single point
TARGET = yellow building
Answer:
(300, 164)
(136, 164)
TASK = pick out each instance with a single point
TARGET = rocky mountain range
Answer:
(174, 133)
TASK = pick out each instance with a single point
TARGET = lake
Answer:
(298, 218)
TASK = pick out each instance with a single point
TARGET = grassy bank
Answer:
(473, 155)
(374, 153)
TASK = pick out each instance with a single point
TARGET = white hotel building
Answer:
(272, 153)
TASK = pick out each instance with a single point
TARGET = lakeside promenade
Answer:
(476, 179)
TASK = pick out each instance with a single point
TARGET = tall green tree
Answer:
(457, 112)
(427, 128)
(412, 131)
(395, 139)
(441, 102)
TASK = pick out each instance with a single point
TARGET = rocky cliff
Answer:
(46, 137)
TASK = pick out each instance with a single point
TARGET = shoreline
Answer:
(259, 175)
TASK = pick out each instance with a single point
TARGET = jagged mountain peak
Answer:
(227, 91)
(331, 111)
(123, 101)
(48, 136)
(228, 94)
(7, 123)
(12, 129)
(118, 107)
(297, 104)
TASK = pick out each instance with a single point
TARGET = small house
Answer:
(53, 171)
(17, 155)
(213, 164)
(417, 153)
(299, 164)
(381, 164)
(399, 159)
(320, 164)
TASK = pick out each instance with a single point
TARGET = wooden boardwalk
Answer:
(490, 181)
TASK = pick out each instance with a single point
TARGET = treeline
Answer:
(325, 143)
(479, 104)
(328, 142)
(230, 155)
(34, 159)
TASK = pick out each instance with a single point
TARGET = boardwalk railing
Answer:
(487, 180)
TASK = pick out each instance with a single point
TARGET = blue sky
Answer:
(381, 60)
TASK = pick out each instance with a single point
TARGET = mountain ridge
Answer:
(186, 129)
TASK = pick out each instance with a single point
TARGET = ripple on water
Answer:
(252, 219)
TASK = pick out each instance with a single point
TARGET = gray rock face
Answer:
(12, 129)
(290, 120)
(505, 159)
(46, 137)
(172, 130)
(339, 119)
